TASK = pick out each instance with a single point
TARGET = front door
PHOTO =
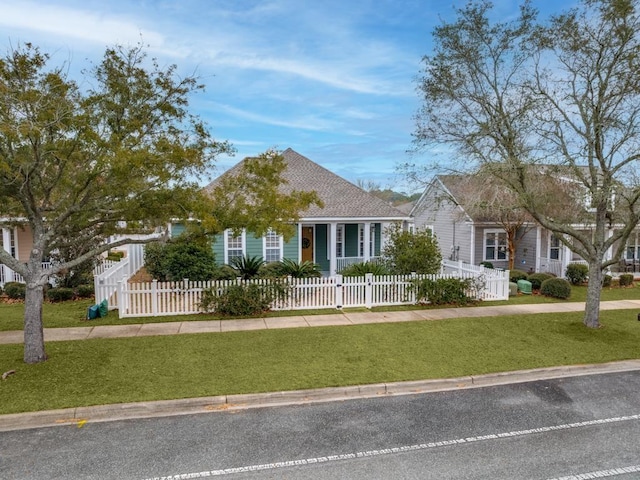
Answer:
(307, 244)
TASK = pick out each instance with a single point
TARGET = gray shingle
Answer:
(341, 198)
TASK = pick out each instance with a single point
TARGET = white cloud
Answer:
(74, 23)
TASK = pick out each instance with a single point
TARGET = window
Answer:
(8, 241)
(495, 245)
(340, 241)
(633, 248)
(234, 246)
(372, 240)
(554, 248)
(272, 247)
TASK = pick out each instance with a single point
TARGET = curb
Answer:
(79, 416)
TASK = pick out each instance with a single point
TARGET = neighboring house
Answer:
(17, 241)
(474, 238)
(350, 228)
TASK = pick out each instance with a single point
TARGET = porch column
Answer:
(566, 259)
(472, 253)
(333, 237)
(299, 242)
(367, 241)
(538, 253)
(6, 244)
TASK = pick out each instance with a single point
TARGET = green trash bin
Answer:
(524, 286)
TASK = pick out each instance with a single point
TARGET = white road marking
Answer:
(421, 446)
(613, 472)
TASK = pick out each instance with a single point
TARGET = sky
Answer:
(334, 79)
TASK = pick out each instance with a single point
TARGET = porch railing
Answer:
(344, 262)
(7, 275)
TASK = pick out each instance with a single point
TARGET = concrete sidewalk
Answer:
(337, 319)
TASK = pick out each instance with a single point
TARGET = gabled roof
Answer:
(342, 199)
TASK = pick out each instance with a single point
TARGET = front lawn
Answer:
(103, 371)
(73, 314)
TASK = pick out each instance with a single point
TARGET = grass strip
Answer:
(102, 371)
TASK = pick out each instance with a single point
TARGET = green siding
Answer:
(177, 229)
(378, 243)
(321, 247)
(218, 248)
(290, 248)
(254, 246)
(351, 240)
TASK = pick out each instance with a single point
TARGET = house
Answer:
(17, 241)
(475, 235)
(349, 228)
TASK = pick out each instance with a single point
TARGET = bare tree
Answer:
(548, 107)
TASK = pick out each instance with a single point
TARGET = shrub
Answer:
(85, 291)
(407, 252)
(577, 273)
(606, 280)
(536, 279)
(60, 294)
(443, 291)
(486, 264)
(15, 290)
(361, 269)
(243, 299)
(305, 269)
(179, 259)
(270, 270)
(225, 272)
(556, 287)
(626, 279)
(515, 275)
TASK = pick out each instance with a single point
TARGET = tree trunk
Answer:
(33, 333)
(592, 308)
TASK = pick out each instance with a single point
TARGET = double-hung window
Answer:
(272, 247)
(633, 248)
(495, 245)
(234, 245)
(554, 248)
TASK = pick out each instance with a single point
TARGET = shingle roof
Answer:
(341, 198)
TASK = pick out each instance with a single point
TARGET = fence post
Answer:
(154, 297)
(120, 298)
(368, 290)
(339, 291)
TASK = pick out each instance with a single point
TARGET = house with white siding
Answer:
(480, 238)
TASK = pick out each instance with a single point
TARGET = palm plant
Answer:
(247, 267)
(304, 269)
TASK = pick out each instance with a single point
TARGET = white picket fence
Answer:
(145, 299)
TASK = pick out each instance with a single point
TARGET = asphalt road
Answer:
(587, 426)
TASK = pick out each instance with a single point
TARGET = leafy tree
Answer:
(407, 252)
(120, 147)
(485, 199)
(553, 110)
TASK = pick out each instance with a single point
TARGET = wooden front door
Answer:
(307, 244)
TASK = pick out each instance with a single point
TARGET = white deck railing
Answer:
(106, 278)
(7, 275)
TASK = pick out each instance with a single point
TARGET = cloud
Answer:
(75, 23)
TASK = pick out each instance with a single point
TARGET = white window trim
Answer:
(494, 231)
(264, 248)
(226, 244)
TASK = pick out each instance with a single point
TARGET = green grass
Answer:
(105, 371)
